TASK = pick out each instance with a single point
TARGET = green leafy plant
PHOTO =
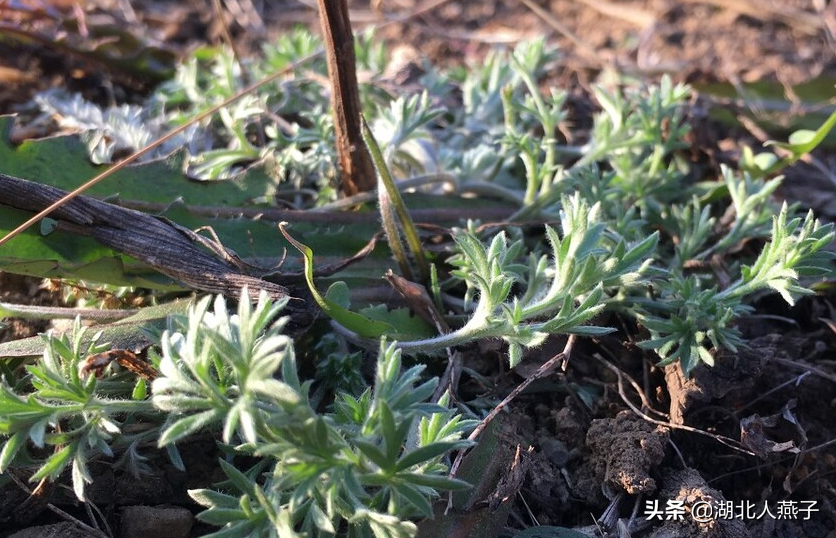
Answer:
(503, 142)
(70, 415)
(636, 234)
(370, 463)
(561, 294)
(365, 467)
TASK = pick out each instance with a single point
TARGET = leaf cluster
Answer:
(366, 466)
(56, 415)
(562, 291)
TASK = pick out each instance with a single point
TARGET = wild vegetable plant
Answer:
(364, 467)
(625, 198)
(58, 416)
(563, 290)
(370, 463)
(636, 235)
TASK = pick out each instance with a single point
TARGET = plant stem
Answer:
(356, 167)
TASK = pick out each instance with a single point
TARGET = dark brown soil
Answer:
(759, 427)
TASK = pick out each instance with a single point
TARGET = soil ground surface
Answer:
(756, 65)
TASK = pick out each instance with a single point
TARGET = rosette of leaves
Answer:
(363, 468)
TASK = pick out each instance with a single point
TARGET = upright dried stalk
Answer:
(356, 169)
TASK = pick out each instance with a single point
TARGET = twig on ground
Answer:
(794, 381)
(59, 512)
(91, 507)
(805, 368)
(678, 453)
(728, 441)
(546, 368)
(642, 395)
(167, 247)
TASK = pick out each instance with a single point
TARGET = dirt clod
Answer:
(624, 451)
(731, 372)
(688, 487)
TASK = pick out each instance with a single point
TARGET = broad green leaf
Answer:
(160, 181)
(61, 254)
(804, 140)
(339, 293)
(407, 325)
(800, 143)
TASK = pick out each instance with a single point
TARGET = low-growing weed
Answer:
(630, 230)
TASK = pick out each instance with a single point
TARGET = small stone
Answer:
(153, 522)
